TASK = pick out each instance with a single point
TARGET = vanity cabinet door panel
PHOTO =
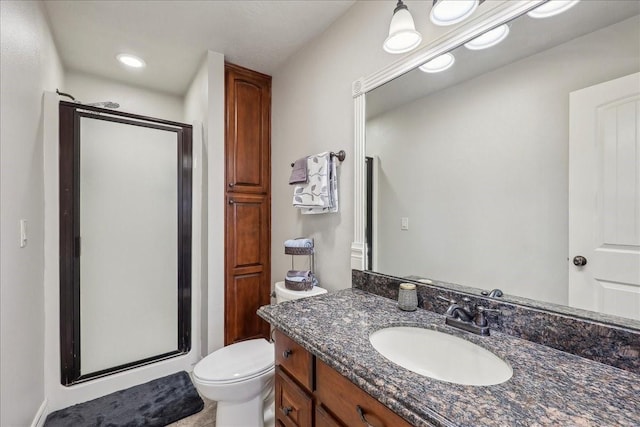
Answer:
(247, 257)
(324, 419)
(294, 359)
(294, 407)
(347, 401)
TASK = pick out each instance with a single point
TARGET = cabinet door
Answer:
(324, 419)
(248, 131)
(247, 253)
(294, 407)
(351, 404)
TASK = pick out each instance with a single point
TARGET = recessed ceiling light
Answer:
(449, 12)
(439, 63)
(131, 60)
(551, 8)
(488, 39)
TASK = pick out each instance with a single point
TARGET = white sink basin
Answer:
(441, 356)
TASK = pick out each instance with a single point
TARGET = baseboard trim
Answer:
(41, 415)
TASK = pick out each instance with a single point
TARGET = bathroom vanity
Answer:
(308, 391)
(328, 371)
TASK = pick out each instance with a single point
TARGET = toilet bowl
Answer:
(240, 376)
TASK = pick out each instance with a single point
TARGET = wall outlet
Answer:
(23, 233)
(404, 223)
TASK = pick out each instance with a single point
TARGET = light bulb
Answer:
(439, 63)
(488, 39)
(552, 8)
(449, 12)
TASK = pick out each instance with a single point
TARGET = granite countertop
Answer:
(548, 387)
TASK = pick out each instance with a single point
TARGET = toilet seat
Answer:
(237, 362)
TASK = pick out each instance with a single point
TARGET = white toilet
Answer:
(240, 376)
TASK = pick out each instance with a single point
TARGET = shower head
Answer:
(105, 104)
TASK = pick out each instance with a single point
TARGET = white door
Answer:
(604, 197)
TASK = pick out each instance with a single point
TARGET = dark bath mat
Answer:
(156, 403)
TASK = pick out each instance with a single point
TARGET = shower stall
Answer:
(125, 240)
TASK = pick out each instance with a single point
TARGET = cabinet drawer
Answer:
(294, 407)
(324, 419)
(344, 398)
(294, 359)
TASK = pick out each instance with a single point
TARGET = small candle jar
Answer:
(407, 297)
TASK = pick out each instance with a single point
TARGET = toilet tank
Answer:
(284, 294)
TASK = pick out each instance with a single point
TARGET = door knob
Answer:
(579, 261)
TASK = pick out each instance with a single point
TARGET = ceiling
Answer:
(174, 36)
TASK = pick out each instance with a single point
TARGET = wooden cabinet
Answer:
(309, 392)
(294, 405)
(324, 419)
(297, 361)
(351, 404)
(248, 130)
(248, 202)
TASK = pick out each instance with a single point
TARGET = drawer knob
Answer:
(287, 353)
(363, 418)
(287, 410)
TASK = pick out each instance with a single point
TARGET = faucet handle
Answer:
(482, 309)
(450, 301)
(480, 318)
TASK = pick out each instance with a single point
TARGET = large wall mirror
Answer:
(507, 168)
(125, 241)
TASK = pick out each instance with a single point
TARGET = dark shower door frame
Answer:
(69, 137)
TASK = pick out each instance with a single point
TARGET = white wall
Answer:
(89, 89)
(312, 111)
(481, 170)
(195, 110)
(204, 102)
(29, 65)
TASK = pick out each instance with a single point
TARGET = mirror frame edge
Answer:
(490, 19)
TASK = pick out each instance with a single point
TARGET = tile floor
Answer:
(204, 418)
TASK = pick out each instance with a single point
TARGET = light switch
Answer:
(404, 223)
(23, 233)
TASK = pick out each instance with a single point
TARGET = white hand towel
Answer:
(316, 192)
(333, 193)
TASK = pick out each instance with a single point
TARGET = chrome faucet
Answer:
(466, 318)
(457, 311)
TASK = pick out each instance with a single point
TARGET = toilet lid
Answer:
(237, 361)
(282, 290)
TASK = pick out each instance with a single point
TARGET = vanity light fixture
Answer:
(131, 60)
(552, 8)
(449, 12)
(488, 39)
(403, 36)
(439, 63)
